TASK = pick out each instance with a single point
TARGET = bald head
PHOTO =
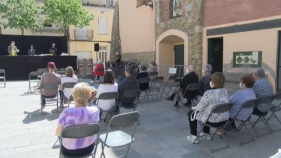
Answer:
(190, 68)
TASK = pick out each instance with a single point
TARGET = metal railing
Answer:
(98, 3)
(83, 34)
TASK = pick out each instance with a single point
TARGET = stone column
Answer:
(115, 34)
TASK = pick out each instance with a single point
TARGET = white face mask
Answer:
(240, 85)
(187, 70)
(212, 85)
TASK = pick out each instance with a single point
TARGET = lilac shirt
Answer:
(78, 116)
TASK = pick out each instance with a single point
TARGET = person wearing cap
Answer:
(53, 50)
(143, 74)
(50, 77)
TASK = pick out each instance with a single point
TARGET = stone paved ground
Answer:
(26, 133)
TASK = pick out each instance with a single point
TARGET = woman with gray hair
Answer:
(99, 69)
(262, 88)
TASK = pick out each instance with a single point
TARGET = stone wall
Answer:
(115, 34)
(144, 57)
(191, 23)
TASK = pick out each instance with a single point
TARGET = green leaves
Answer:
(21, 15)
(65, 13)
(24, 14)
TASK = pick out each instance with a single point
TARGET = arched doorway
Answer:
(172, 48)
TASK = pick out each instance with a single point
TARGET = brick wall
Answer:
(166, 10)
(219, 12)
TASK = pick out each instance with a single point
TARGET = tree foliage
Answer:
(64, 13)
(21, 15)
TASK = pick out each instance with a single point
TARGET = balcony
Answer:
(98, 3)
(83, 34)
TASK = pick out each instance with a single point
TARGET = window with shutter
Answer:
(102, 26)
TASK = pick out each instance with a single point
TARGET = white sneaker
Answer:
(192, 139)
(206, 135)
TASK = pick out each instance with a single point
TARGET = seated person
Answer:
(130, 83)
(189, 78)
(205, 80)
(211, 98)
(152, 68)
(262, 88)
(108, 85)
(79, 115)
(69, 77)
(99, 73)
(143, 74)
(113, 68)
(50, 77)
(240, 97)
(121, 78)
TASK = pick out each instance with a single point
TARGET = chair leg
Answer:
(57, 105)
(249, 133)
(128, 150)
(29, 88)
(102, 150)
(4, 82)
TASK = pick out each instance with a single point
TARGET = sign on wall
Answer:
(247, 59)
(177, 8)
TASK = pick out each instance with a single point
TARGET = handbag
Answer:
(193, 114)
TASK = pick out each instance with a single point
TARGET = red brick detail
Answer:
(217, 12)
(166, 10)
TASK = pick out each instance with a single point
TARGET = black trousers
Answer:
(206, 129)
(257, 112)
(78, 152)
(232, 124)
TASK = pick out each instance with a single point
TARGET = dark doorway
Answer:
(279, 64)
(179, 59)
(215, 54)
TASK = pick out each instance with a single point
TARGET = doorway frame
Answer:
(277, 62)
(207, 46)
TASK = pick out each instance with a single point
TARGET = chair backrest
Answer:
(108, 96)
(247, 105)
(81, 131)
(90, 76)
(158, 79)
(152, 74)
(193, 87)
(221, 108)
(267, 100)
(206, 87)
(144, 80)
(123, 120)
(172, 78)
(2, 71)
(61, 72)
(62, 69)
(131, 94)
(68, 85)
(34, 74)
(49, 86)
(42, 70)
(278, 96)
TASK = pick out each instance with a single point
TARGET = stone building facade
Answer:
(133, 32)
(241, 35)
(182, 30)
